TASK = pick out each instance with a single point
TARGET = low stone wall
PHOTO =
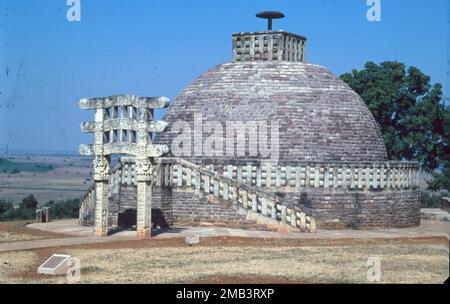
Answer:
(332, 209)
(176, 207)
(189, 207)
(360, 210)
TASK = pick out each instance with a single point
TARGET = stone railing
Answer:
(181, 173)
(270, 45)
(249, 185)
(87, 206)
(350, 176)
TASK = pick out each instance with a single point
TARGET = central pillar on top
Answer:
(144, 178)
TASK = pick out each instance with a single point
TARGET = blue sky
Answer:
(153, 48)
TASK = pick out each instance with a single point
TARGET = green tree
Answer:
(5, 206)
(410, 111)
(18, 214)
(64, 209)
(29, 202)
(442, 178)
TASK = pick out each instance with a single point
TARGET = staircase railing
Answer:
(87, 206)
(181, 173)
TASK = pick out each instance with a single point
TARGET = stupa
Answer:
(270, 139)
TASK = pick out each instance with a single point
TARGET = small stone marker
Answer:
(43, 215)
(192, 239)
(57, 264)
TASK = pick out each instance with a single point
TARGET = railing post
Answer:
(283, 214)
(101, 178)
(254, 203)
(144, 172)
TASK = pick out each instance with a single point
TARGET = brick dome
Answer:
(320, 117)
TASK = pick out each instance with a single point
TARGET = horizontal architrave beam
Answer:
(126, 148)
(124, 124)
(124, 100)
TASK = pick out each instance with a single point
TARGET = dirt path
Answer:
(59, 242)
(18, 231)
(78, 236)
(116, 242)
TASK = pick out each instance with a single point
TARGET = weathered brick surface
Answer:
(176, 207)
(189, 207)
(320, 117)
(125, 206)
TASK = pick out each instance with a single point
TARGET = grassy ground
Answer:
(16, 231)
(400, 263)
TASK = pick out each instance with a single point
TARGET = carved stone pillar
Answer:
(101, 177)
(144, 173)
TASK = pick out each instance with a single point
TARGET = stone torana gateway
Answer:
(332, 169)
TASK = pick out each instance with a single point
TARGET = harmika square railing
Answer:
(269, 45)
(124, 125)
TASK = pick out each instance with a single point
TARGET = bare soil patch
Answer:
(248, 280)
(17, 231)
(263, 242)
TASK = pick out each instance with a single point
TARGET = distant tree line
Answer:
(7, 166)
(26, 210)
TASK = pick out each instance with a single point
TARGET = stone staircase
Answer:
(262, 207)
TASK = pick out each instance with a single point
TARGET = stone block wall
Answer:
(333, 209)
(191, 208)
(122, 207)
(336, 209)
(175, 207)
